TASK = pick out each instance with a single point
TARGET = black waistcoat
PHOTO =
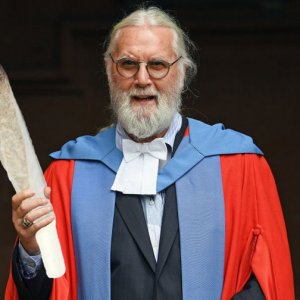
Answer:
(135, 275)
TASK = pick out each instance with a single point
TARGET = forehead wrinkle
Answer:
(129, 41)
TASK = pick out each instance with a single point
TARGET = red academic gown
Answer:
(255, 234)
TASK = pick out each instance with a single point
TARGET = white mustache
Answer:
(143, 92)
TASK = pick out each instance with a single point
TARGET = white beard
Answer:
(145, 121)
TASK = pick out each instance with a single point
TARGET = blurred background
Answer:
(248, 58)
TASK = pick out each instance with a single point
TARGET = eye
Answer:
(126, 63)
(157, 65)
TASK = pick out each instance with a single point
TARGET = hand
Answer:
(37, 212)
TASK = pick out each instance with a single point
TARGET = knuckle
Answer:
(22, 208)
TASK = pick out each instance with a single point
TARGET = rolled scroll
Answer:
(21, 164)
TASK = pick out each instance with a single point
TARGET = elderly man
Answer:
(159, 206)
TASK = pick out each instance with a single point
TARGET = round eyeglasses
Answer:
(157, 69)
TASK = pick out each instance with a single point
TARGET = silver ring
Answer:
(26, 223)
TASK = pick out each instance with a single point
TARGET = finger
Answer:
(40, 212)
(21, 196)
(30, 204)
(25, 222)
(28, 233)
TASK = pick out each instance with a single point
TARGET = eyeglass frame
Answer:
(146, 63)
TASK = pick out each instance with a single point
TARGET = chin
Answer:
(144, 111)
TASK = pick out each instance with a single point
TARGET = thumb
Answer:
(47, 192)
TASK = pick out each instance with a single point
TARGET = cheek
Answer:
(166, 84)
(175, 81)
(121, 82)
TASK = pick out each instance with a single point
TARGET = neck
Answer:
(148, 139)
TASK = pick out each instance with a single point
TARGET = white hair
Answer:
(153, 16)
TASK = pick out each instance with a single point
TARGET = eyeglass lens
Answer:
(156, 69)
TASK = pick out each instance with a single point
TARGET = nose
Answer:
(142, 78)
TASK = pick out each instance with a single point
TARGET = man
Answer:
(158, 206)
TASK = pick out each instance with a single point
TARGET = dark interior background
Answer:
(248, 57)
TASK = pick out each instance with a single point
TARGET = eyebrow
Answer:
(151, 59)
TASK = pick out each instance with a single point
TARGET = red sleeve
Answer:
(59, 177)
(256, 239)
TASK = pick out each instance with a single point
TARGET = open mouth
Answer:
(144, 98)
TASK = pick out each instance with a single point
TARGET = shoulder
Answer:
(247, 168)
(216, 140)
(87, 147)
